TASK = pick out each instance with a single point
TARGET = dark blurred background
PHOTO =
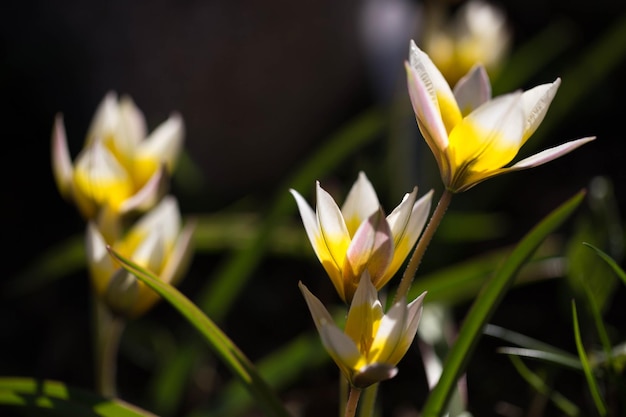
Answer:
(260, 85)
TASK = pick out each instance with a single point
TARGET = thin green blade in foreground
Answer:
(63, 400)
(223, 347)
(486, 303)
(591, 380)
(610, 261)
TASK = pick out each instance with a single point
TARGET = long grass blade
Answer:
(486, 303)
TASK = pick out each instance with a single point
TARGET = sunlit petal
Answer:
(490, 136)
(360, 203)
(407, 222)
(536, 102)
(413, 316)
(550, 154)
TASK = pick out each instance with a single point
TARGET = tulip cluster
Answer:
(122, 171)
(361, 249)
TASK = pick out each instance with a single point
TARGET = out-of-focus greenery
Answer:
(250, 255)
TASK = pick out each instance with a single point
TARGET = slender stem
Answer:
(107, 333)
(353, 401)
(422, 244)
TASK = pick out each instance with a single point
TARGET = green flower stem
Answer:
(368, 401)
(107, 333)
(422, 244)
(353, 402)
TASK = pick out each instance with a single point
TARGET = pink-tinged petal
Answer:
(164, 143)
(61, 161)
(105, 120)
(320, 315)
(373, 373)
(427, 114)
(489, 137)
(365, 313)
(536, 103)
(99, 262)
(550, 154)
(413, 316)
(149, 194)
(371, 250)
(360, 203)
(437, 89)
(407, 222)
(472, 90)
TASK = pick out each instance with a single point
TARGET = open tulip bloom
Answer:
(358, 237)
(472, 135)
(372, 343)
(120, 168)
(155, 242)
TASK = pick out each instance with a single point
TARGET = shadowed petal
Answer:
(100, 264)
(472, 90)
(318, 312)
(149, 194)
(371, 249)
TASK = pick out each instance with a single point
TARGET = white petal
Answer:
(503, 115)
(132, 122)
(165, 143)
(318, 312)
(472, 90)
(309, 219)
(550, 154)
(371, 249)
(150, 253)
(61, 161)
(332, 226)
(389, 334)
(149, 194)
(536, 102)
(340, 347)
(178, 260)
(360, 203)
(105, 119)
(100, 264)
(424, 80)
(165, 217)
(412, 319)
